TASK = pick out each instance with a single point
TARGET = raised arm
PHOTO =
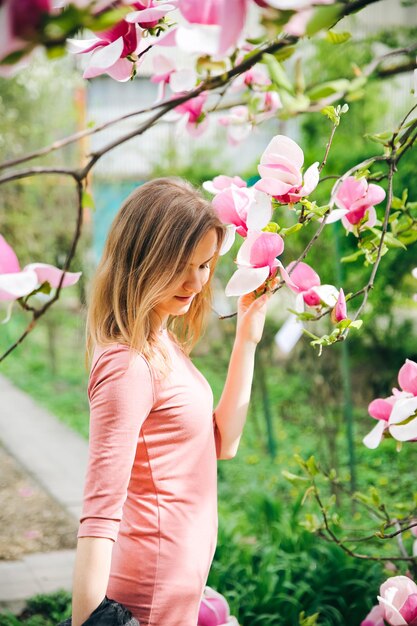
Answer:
(230, 413)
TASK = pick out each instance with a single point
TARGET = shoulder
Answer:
(117, 363)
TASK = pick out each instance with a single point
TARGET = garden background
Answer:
(269, 564)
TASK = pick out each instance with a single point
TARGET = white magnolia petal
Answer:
(414, 272)
(403, 408)
(259, 211)
(52, 274)
(208, 186)
(107, 56)
(229, 239)
(182, 80)
(327, 294)
(9, 309)
(245, 280)
(335, 215)
(373, 438)
(199, 39)
(299, 303)
(311, 179)
(16, 285)
(392, 612)
(405, 432)
(289, 334)
(77, 46)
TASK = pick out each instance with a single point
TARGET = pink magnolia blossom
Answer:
(243, 208)
(166, 73)
(110, 50)
(306, 282)
(16, 283)
(339, 312)
(256, 262)
(356, 199)
(398, 600)
(194, 119)
(222, 182)
(238, 124)
(149, 12)
(393, 411)
(375, 617)
(281, 171)
(226, 17)
(20, 22)
(256, 77)
(214, 610)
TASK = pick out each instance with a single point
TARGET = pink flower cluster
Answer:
(16, 283)
(396, 414)
(397, 604)
(356, 199)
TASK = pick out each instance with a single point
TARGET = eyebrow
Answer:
(204, 261)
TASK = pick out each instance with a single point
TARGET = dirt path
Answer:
(30, 520)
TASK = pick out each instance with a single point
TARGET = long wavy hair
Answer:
(150, 240)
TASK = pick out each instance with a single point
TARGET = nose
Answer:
(193, 282)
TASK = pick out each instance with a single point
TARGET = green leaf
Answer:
(271, 227)
(383, 138)
(312, 466)
(284, 53)
(356, 324)
(291, 229)
(87, 201)
(293, 478)
(350, 258)
(277, 73)
(328, 89)
(308, 492)
(323, 17)
(337, 38)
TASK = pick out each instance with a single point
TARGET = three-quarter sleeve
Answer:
(121, 397)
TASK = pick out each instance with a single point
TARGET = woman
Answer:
(148, 529)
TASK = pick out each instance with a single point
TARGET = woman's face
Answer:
(192, 280)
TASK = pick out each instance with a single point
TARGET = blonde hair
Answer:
(150, 240)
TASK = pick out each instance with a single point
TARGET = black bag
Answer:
(108, 613)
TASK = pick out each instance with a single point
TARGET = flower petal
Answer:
(327, 294)
(182, 80)
(229, 239)
(374, 438)
(336, 215)
(303, 276)
(272, 186)
(265, 248)
(289, 334)
(405, 432)
(375, 194)
(311, 179)
(246, 279)
(106, 56)
(259, 211)
(8, 260)
(52, 274)
(16, 285)
(121, 70)
(407, 377)
(403, 409)
(350, 191)
(286, 147)
(380, 409)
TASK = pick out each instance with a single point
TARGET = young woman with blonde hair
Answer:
(148, 529)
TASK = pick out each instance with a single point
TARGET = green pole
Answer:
(344, 363)
(266, 404)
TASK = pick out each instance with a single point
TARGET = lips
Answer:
(184, 298)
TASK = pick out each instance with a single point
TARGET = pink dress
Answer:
(151, 482)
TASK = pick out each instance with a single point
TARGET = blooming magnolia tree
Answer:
(241, 67)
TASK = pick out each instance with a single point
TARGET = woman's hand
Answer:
(251, 312)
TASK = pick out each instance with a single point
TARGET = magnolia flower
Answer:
(244, 208)
(148, 12)
(339, 312)
(398, 600)
(375, 617)
(20, 24)
(222, 182)
(166, 73)
(256, 77)
(222, 22)
(16, 283)
(110, 50)
(193, 119)
(256, 262)
(306, 282)
(214, 610)
(393, 411)
(238, 123)
(280, 171)
(356, 199)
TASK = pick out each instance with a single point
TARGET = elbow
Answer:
(228, 453)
